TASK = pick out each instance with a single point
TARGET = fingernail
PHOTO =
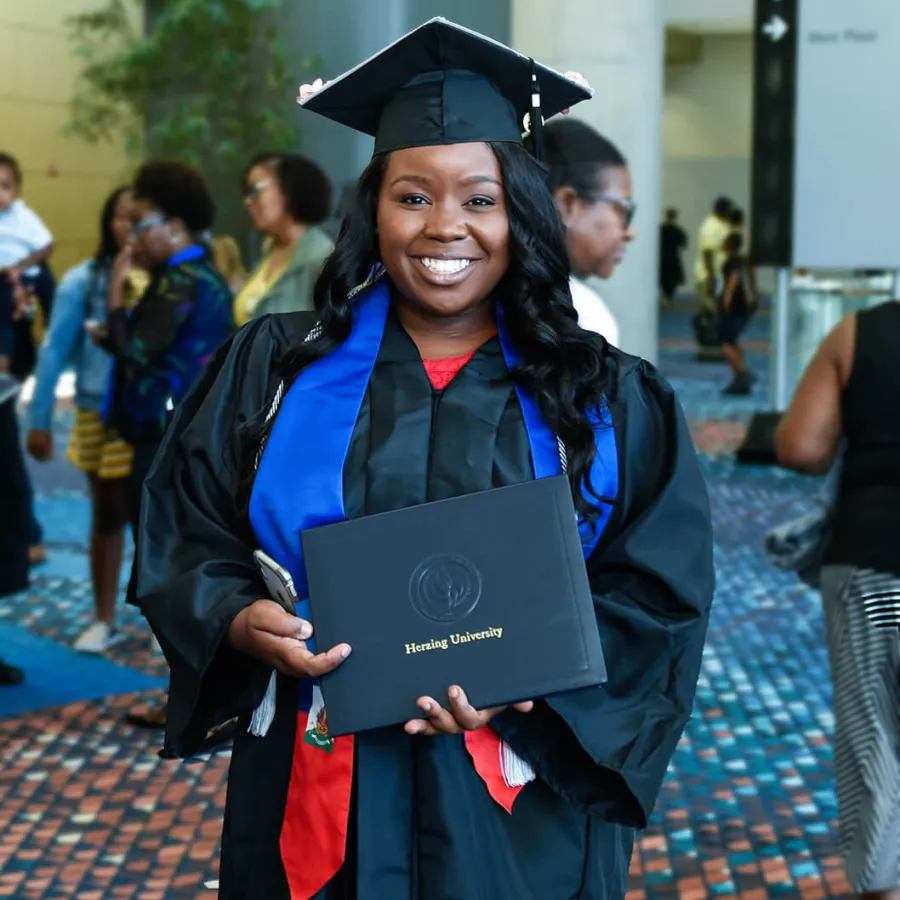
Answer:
(305, 631)
(454, 693)
(426, 705)
(345, 652)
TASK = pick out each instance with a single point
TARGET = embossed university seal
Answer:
(445, 588)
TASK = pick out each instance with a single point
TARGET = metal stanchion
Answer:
(778, 360)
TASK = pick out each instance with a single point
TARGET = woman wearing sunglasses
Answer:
(287, 196)
(161, 346)
(591, 187)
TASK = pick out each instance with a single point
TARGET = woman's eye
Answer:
(413, 200)
(481, 201)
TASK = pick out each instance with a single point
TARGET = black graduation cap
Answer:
(445, 84)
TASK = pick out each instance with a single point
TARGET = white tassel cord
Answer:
(516, 772)
(264, 714)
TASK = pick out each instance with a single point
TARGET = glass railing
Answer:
(817, 301)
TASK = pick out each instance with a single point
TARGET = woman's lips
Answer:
(445, 271)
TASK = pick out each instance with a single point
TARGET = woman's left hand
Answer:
(461, 716)
(307, 90)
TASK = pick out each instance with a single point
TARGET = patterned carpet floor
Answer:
(89, 811)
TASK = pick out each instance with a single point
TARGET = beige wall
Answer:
(708, 106)
(710, 15)
(37, 72)
(708, 128)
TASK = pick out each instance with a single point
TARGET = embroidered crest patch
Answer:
(317, 723)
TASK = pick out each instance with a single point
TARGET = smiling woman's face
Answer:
(443, 231)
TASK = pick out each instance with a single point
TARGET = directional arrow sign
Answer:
(776, 28)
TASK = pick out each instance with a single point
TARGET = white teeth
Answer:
(446, 266)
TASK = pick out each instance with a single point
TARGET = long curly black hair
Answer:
(568, 370)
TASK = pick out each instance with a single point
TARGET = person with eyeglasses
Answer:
(161, 346)
(591, 186)
(287, 197)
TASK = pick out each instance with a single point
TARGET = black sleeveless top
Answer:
(866, 530)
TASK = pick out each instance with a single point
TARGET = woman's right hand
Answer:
(268, 633)
(39, 444)
(118, 277)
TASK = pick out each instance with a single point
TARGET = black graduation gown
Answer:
(423, 824)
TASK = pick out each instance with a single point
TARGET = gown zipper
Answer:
(436, 397)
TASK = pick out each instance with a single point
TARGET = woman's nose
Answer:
(444, 222)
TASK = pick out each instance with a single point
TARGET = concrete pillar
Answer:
(619, 46)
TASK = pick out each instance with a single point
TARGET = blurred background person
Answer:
(287, 197)
(26, 282)
(735, 307)
(591, 187)
(672, 241)
(182, 317)
(707, 268)
(738, 221)
(25, 243)
(163, 344)
(850, 394)
(105, 459)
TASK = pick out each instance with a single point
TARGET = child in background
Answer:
(25, 242)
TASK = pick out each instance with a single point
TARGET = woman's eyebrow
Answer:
(424, 179)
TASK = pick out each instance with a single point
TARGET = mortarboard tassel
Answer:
(537, 118)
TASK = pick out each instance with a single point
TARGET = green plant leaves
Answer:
(208, 83)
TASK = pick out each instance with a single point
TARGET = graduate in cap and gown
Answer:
(444, 358)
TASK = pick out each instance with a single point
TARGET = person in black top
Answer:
(734, 312)
(845, 410)
(672, 241)
(738, 221)
(161, 347)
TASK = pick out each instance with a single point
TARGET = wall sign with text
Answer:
(826, 171)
